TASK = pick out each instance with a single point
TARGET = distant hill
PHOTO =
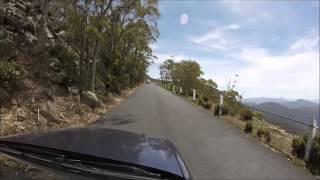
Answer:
(259, 100)
(299, 110)
(300, 103)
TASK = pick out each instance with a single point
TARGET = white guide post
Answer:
(311, 137)
(194, 94)
(221, 105)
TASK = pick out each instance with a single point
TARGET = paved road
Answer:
(211, 149)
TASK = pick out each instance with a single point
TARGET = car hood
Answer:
(111, 144)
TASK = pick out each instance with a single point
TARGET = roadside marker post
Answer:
(194, 94)
(220, 105)
(180, 90)
(311, 137)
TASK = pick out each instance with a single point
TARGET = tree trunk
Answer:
(42, 33)
(94, 64)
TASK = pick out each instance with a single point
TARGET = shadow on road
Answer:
(114, 120)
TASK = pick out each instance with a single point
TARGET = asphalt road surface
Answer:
(211, 148)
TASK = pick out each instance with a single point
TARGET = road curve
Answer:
(211, 148)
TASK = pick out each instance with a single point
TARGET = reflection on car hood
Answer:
(111, 144)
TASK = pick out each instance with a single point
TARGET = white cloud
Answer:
(154, 46)
(184, 18)
(310, 41)
(216, 38)
(233, 26)
(287, 75)
(252, 10)
(161, 57)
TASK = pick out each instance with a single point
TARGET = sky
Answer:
(273, 46)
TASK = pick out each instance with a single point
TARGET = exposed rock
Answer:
(3, 110)
(49, 34)
(90, 99)
(14, 102)
(46, 93)
(21, 114)
(30, 38)
(73, 90)
(54, 63)
(61, 34)
(61, 115)
(58, 78)
(59, 90)
(41, 121)
(48, 111)
(9, 28)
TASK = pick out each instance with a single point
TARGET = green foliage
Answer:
(249, 127)
(112, 40)
(7, 49)
(246, 115)
(10, 75)
(116, 87)
(69, 62)
(233, 107)
(204, 102)
(183, 74)
(225, 110)
(260, 132)
(258, 115)
(200, 101)
(264, 134)
(205, 98)
(207, 105)
(267, 136)
(314, 160)
(299, 146)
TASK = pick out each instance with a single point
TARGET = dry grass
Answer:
(280, 139)
(69, 109)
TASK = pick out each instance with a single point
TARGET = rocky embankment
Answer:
(36, 69)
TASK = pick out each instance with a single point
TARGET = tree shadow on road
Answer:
(114, 120)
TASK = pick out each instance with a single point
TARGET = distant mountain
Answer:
(259, 100)
(300, 103)
(299, 110)
(288, 103)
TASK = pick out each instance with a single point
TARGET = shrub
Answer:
(298, 147)
(225, 110)
(258, 115)
(264, 134)
(115, 87)
(246, 115)
(69, 61)
(7, 45)
(207, 105)
(248, 128)
(205, 98)
(10, 75)
(200, 101)
(260, 133)
(314, 160)
(267, 136)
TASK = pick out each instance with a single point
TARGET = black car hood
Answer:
(111, 144)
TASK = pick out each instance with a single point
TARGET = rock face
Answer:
(21, 114)
(90, 99)
(58, 77)
(48, 111)
(3, 110)
(21, 19)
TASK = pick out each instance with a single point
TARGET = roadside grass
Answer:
(281, 140)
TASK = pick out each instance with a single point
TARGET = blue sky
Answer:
(272, 45)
